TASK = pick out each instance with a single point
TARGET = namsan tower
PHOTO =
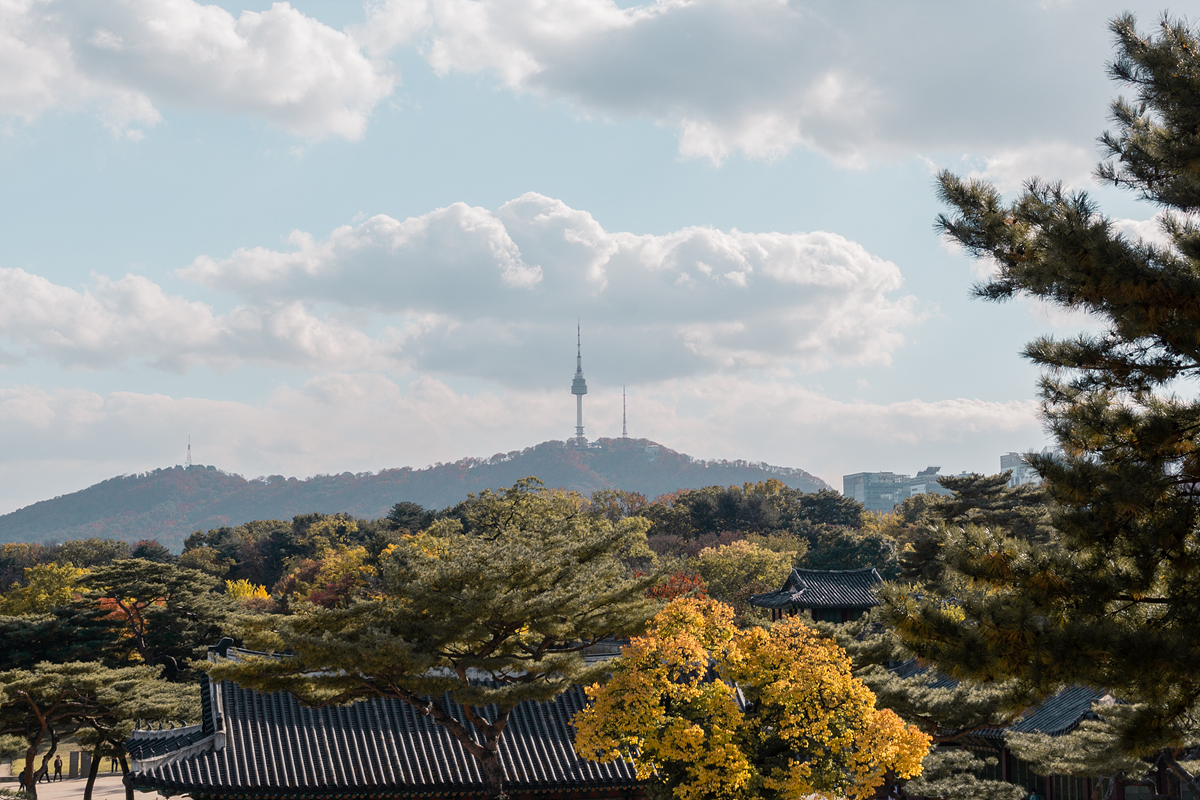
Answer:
(579, 389)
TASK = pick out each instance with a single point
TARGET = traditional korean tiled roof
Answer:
(932, 678)
(824, 589)
(1057, 716)
(271, 746)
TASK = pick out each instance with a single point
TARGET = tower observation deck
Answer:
(579, 389)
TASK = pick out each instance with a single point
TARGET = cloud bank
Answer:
(855, 82)
(466, 291)
(132, 57)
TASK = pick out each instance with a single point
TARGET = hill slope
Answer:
(168, 504)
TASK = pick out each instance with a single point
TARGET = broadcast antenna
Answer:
(188, 461)
(624, 430)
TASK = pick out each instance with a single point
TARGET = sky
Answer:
(327, 237)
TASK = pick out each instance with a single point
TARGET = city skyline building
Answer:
(883, 491)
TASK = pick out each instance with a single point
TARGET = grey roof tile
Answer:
(824, 589)
(274, 746)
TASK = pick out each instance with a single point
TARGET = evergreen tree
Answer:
(167, 614)
(1112, 600)
(495, 608)
(43, 705)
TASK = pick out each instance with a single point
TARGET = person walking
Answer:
(21, 780)
(58, 768)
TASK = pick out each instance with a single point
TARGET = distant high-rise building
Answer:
(579, 388)
(883, 491)
(877, 491)
(1022, 473)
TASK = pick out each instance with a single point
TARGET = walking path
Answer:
(108, 787)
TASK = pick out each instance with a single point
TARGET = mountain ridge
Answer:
(169, 503)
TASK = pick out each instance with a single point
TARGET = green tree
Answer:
(947, 710)
(72, 632)
(513, 594)
(806, 726)
(45, 586)
(410, 517)
(167, 614)
(96, 703)
(836, 547)
(88, 553)
(734, 571)
(1112, 600)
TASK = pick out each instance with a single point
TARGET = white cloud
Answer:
(761, 77)
(68, 438)
(133, 319)
(496, 294)
(132, 57)
(1051, 161)
(1147, 230)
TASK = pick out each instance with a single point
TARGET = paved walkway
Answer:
(108, 787)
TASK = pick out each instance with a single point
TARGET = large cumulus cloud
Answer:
(854, 81)
(496, 294)
(131, 57)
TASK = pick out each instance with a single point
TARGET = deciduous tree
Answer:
(708, 710)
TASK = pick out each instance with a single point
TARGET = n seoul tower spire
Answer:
(578, 388)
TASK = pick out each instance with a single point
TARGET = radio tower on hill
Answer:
(578, 388)
(624, 430)
(188, 462)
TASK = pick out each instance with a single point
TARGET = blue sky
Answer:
(327, 237)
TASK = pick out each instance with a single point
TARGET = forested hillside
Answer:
(168, 504)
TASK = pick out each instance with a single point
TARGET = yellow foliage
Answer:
(673, 707)
(341, 574)
(728, 568)
(245, 590)
(328, 534)
(46, 586)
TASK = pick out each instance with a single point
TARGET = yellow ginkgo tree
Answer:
(708, 710)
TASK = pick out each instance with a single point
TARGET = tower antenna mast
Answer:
(578, 387)
(624, 430)
(188, 461)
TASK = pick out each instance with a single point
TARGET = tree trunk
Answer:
(45, 770)
(125, 774)
(1187, 778)
(487, 754)
(93, 771)
(30, 757)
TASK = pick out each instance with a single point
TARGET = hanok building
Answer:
(256, 746)
(829, 595)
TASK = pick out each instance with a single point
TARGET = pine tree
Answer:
(1112, 600)
(96, 703)
(495, 608)
(166, 614)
